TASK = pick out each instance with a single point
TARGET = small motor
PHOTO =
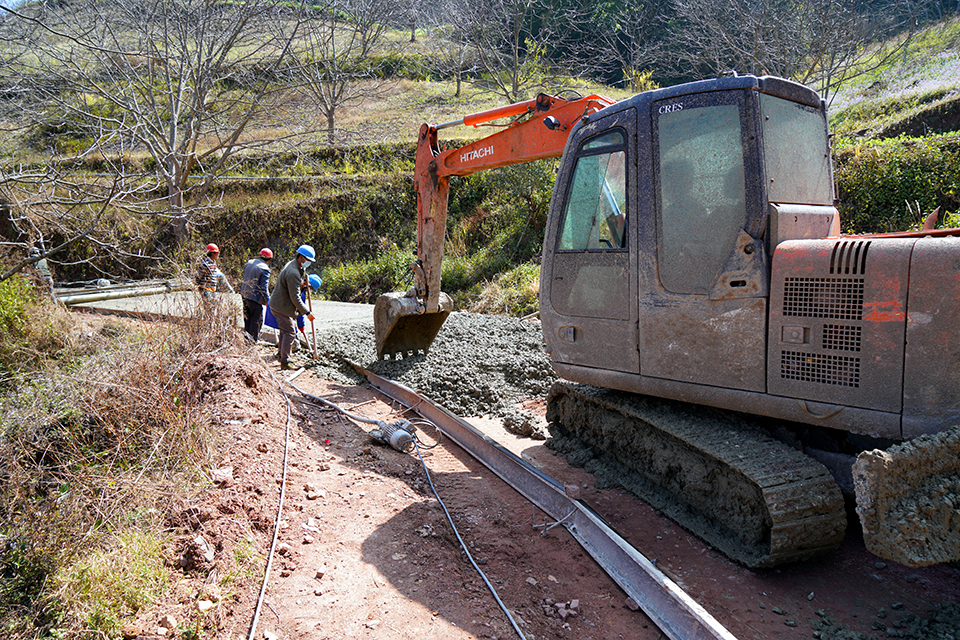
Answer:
(398, 435)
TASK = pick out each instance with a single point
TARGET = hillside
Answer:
(117, 436)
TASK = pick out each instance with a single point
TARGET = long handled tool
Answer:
(313, 326)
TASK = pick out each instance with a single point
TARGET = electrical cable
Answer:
(415, 441)
(276, 524)
(463, 546)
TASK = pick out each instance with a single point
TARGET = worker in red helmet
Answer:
(255, 291)
(209, 278)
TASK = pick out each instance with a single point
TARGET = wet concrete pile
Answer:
(908, 499)
(478, 365)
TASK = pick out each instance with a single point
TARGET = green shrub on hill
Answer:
(880, 181)
(28, 334)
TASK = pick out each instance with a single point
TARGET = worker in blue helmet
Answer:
(315, 284)
(285, 301)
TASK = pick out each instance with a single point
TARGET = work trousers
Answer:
(252, 318)
(288, 333)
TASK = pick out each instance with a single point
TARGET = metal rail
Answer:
(666, 604)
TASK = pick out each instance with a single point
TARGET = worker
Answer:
(255, 291)
(209, 277)
(44, 270)
(285, 301)
(315, 284)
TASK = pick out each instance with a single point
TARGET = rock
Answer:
(205, 605)
(211, 591)
(307, 539)
(552, 579)
(270, 635)
(262, 447)
(223, 475)
(572, 491)
(205, 549)
(168, 622)
(311, 488)
(130, 632)
(574, 606)
(320, 573)
(531, 581)
(903, 499)
(631, 604)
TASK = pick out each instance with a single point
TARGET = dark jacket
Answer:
(285, 299)
(256, 281)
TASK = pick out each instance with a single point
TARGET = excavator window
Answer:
(594, 216)
(702, 194)
(796, 155)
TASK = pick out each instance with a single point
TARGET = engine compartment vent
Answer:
(841, 338)
(849, 257)
(843, 371)
(833, 298)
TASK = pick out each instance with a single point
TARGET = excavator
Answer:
(724, 350)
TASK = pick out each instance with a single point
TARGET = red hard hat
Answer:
(212, 248)
(266, 253)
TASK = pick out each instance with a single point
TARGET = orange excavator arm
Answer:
(410, 321)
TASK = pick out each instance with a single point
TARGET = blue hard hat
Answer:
(315, 282)
(307, 252)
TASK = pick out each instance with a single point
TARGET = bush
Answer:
(364, 280)
(514, 292)
(84, 451)
(100, 590)
(30, 326)
(877, 181)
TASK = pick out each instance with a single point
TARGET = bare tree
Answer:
(451, 50)
(181, 80)
(48, 209)
(523, 46)
(630, 35)
(334, 56)
(818, 42)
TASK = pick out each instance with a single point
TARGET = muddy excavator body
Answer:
(724, 350)
(693, 253)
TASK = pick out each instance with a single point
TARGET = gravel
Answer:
(478, 365)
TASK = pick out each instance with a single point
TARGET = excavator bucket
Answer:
(402, 326)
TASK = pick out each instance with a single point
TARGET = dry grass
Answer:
(91, 456)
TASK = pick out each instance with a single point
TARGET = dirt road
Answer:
(364, 548)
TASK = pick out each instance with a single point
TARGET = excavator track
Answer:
(759, 501)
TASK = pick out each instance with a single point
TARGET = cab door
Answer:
(588, 281)
(703, 314)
